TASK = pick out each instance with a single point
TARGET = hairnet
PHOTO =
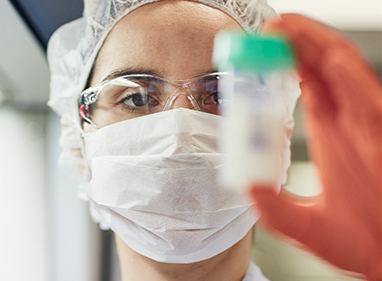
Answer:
(73, 48)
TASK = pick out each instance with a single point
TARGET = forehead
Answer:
(172, 38)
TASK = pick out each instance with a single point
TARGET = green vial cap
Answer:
(251, 52)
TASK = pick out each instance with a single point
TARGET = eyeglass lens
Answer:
(131, 97)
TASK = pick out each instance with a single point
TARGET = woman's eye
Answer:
(211, 99)
(139, 100)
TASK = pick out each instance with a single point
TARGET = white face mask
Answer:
(154, 182)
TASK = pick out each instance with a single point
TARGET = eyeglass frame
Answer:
(90, 95)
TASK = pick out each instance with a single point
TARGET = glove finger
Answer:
(310, 39)
(279, 211)
(353, 83)
(359, 93)
(316, 46)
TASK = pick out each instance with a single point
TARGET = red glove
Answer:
(341, 96)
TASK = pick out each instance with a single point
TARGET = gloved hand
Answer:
(341, 97)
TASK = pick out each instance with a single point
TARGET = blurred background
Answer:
(46, 233)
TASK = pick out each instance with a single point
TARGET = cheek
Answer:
(103, 118)
(88, 128)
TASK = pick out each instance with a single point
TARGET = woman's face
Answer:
(169, 38)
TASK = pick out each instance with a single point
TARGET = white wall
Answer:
(23, 194)
(74, 245)
(24, 73)
(45, 230)
(343, 14)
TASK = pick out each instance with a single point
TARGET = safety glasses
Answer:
(136, 95)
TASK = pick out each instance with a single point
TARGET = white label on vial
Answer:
(251, 145)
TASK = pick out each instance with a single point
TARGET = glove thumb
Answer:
(283, 212)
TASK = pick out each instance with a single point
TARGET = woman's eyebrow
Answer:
(212, 70)
(128, 71)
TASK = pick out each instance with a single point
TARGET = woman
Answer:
(153, 178)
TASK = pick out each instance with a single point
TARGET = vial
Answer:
(253, 106)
